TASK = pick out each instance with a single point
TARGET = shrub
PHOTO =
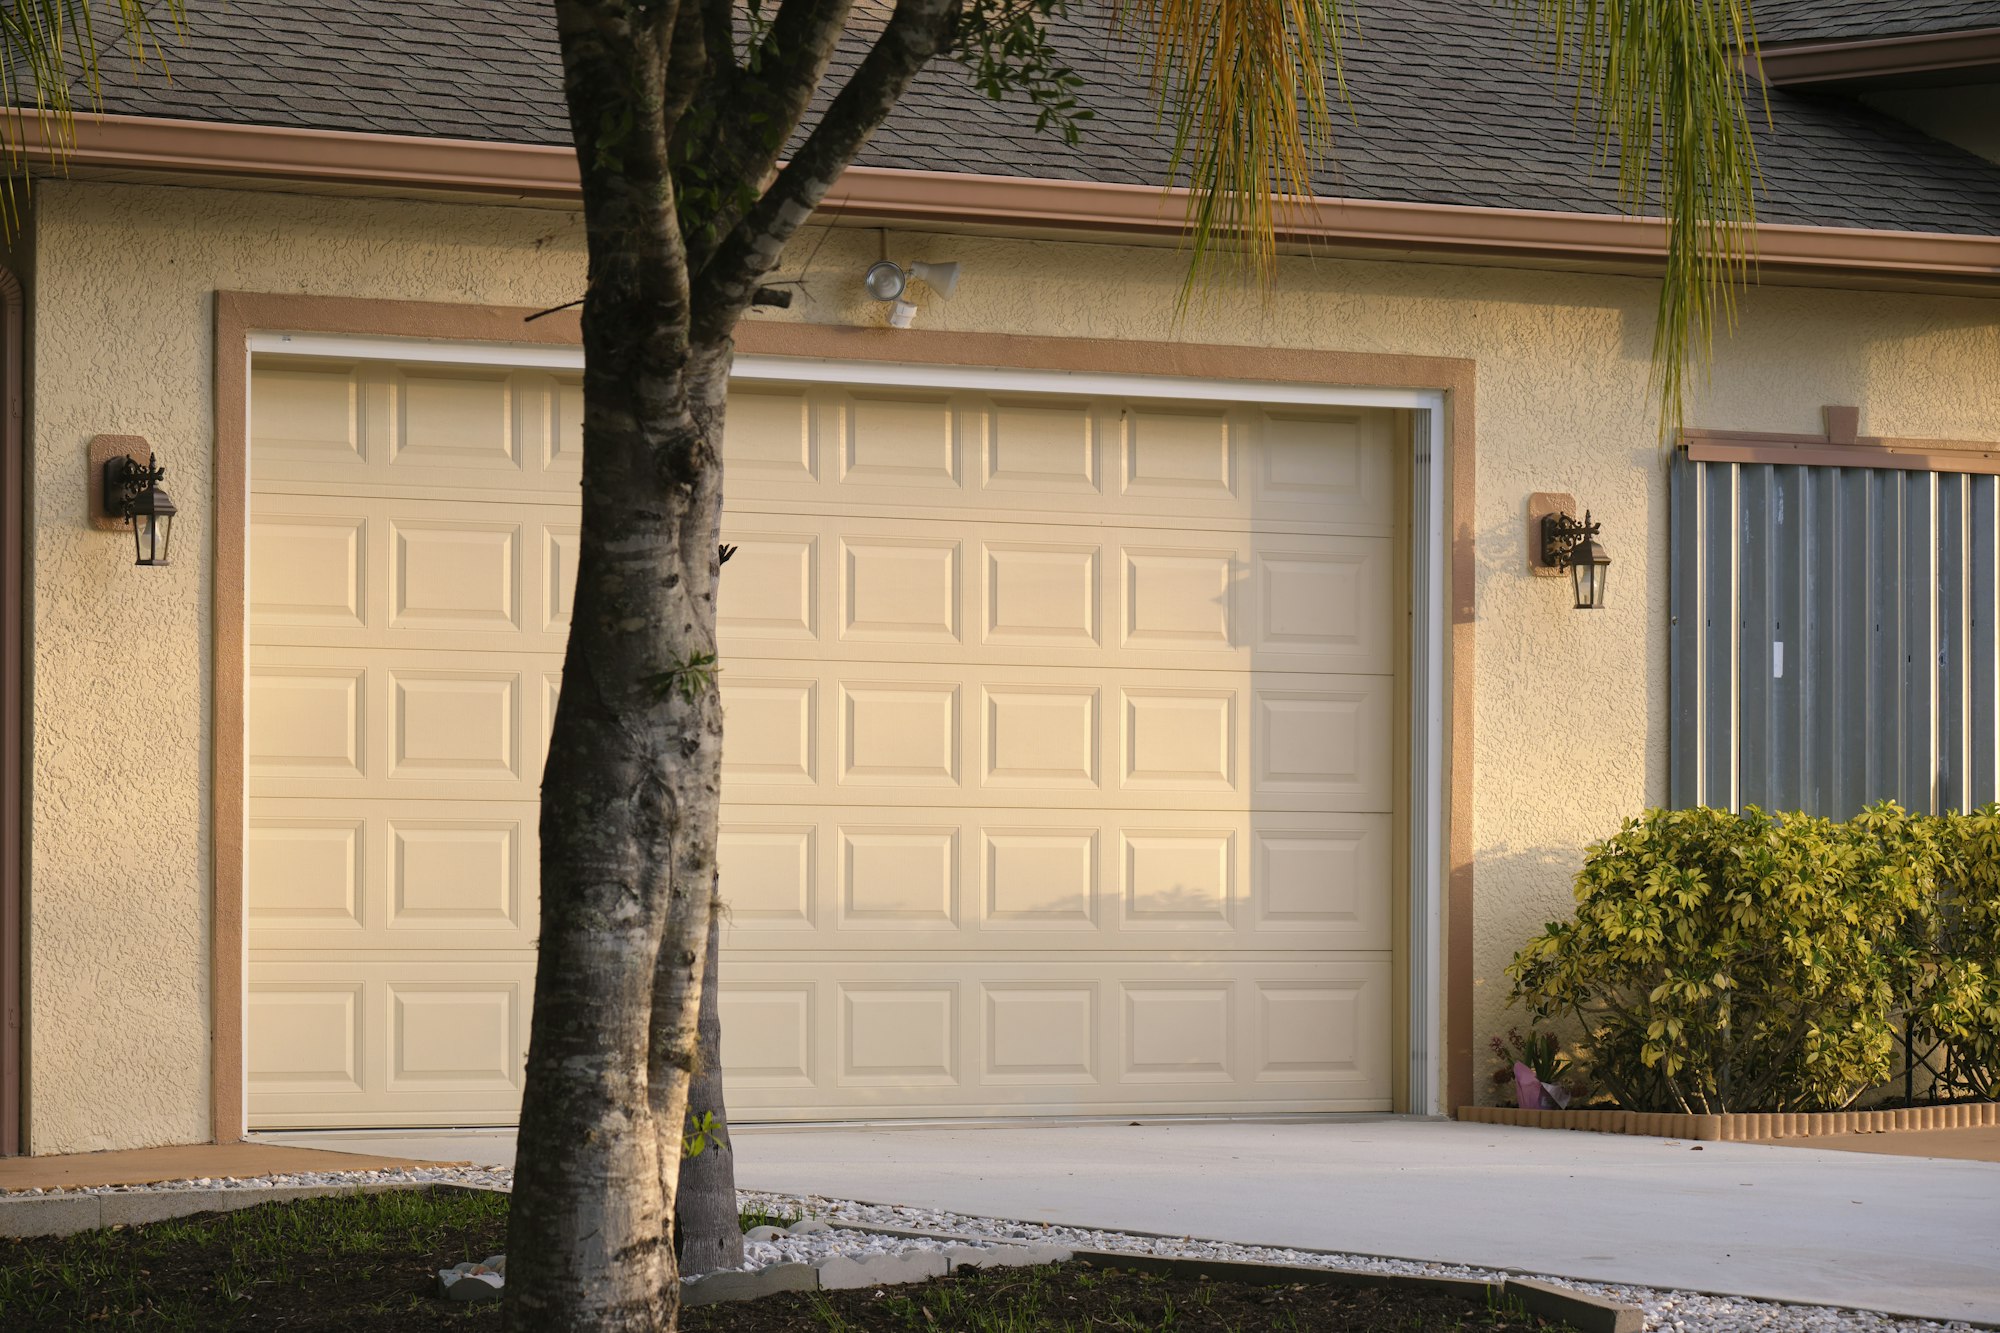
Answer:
(1955, 951)
(1740, 962)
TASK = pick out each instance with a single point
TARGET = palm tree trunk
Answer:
(707, 1232)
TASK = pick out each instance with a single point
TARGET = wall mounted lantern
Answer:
(132, 494)
(1568, 544)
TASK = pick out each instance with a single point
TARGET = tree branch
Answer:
(726, 152)
(724, 285)
(691, 71)
(616, 61)
(801, 37)
(718, 31)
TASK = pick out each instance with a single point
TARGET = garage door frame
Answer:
(1435, 392)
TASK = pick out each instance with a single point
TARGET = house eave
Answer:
(1876, 59)
(547, 173)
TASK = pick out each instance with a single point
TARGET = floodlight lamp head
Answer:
(940, 278)
(885, 281)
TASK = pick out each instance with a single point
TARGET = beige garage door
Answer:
(1059, 765)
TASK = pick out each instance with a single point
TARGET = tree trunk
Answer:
(629, 805)
(707, 1232)
(632, 788)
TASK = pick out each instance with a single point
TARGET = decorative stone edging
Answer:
(843, 1272)
(1743, 1128)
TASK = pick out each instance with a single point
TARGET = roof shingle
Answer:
(1451, 105)
(1858, 20)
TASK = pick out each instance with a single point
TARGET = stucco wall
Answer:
(1570, 708)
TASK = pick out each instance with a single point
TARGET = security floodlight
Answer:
(940, 278)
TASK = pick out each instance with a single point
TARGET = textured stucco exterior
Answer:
(1570, 709)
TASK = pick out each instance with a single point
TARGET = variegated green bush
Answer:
(1956, 996)
(1720, 961)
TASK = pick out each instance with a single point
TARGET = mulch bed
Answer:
(369, 1262)
(1075, 1298)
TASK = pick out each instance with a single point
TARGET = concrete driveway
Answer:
(1913, 1236)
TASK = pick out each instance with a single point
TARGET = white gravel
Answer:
(1666, 1311)
(478, 1176)
(820, 1245)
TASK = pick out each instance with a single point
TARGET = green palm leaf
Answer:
(49, 53)
(1243, 85)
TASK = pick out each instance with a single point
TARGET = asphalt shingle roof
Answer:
(1855, 20)
(1451, 106)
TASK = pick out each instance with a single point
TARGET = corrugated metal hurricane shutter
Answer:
(1833, 637)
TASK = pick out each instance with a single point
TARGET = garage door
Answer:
(1059, 765)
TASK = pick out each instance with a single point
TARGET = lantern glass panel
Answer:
(154, 533)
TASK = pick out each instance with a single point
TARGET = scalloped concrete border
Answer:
(1743, 1128)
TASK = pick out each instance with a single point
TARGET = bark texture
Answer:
(707, 1230)
(632, 773)
(685, 211)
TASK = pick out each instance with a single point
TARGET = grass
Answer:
(754, 1217)
(275, 1265)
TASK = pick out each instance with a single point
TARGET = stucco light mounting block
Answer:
(1572, 545)
(132, 493)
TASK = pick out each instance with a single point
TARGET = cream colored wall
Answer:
(1570, 708)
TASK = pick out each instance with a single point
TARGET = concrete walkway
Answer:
(215, 1161)
(1912, 1236)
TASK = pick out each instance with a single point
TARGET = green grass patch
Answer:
(751, 1218)
(340, 1262)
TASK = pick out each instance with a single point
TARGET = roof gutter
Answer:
(1795, 64)
(526, 171)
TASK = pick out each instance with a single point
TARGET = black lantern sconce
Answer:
(132, 495)
(1572, 545)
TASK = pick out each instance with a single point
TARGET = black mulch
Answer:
(1075, 1298)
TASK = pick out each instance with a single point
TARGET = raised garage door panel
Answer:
(1059, 765)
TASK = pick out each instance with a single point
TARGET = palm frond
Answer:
(1243, 84)
(49, 52)
(1667, 80)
